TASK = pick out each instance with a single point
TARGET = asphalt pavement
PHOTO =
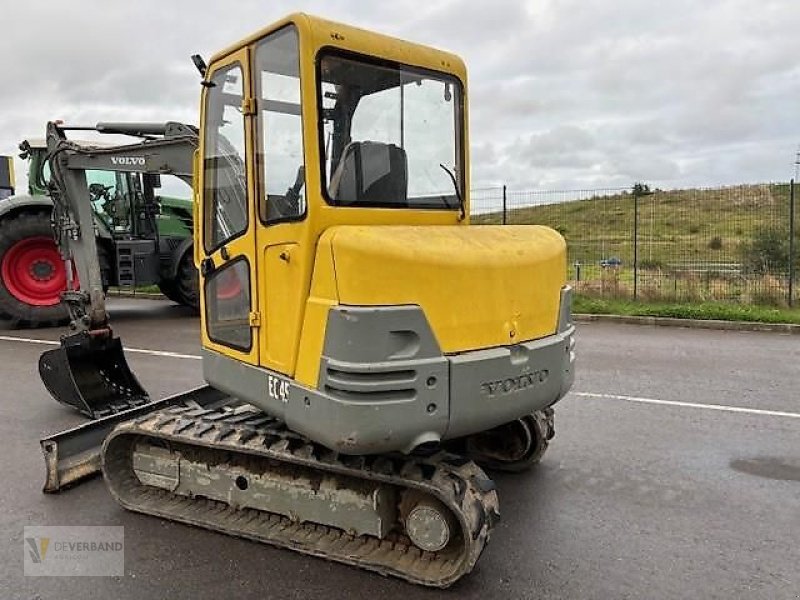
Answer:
(675, 473)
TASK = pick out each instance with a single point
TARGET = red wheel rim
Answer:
(228, 285)
(33, 271)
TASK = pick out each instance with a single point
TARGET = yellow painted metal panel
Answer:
(312, 341)
(322, 32)
(322, 297)
(478, 286)
(280, 282)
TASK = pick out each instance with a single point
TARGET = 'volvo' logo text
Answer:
(510, 385)
(134, 161)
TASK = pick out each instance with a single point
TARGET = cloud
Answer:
(569, 93)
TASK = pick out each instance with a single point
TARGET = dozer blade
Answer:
(89, 373)
(74, 454)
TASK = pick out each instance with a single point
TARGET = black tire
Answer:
(15, 311)
(184, 289)
(167, 287)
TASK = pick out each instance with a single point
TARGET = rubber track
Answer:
(459, 483)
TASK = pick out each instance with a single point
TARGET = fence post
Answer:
(792, 256)
(505, 207)
(635, 242)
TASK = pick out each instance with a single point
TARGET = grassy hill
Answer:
(734, 239)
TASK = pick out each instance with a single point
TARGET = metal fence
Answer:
(735, 244)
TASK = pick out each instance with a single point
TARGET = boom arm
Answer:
(168, 149)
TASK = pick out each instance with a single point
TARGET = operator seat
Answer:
(370, 173)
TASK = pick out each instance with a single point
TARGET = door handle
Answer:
(207, 266)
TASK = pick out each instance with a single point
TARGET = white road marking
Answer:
(164, 353)
(12, 338)
(719, 407)
(678, 403)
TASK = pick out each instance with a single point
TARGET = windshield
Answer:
(390, 134)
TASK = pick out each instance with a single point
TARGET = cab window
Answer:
(225, 179)
(280, 127)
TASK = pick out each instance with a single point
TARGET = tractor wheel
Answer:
(167, 288)
(184, 288)
(189, 282)
(32, 273)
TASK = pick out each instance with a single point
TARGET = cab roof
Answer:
(318, 33)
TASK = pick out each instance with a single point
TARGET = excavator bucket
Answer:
(90, 373)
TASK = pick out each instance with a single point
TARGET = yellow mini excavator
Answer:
(367, 353)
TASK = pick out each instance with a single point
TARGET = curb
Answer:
(689, 323)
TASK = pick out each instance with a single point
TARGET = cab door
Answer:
(227, 233)
(280, 168)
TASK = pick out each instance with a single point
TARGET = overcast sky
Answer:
(564, 94)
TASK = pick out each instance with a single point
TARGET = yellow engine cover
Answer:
(479, 286)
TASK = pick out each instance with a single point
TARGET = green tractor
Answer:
(142, 239)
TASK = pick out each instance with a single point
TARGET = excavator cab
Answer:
(307, 127)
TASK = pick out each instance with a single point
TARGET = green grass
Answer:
(702, 310)
(148, 289)
(674, 225)
(140, 289)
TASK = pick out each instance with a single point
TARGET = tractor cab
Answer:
(115, 197)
